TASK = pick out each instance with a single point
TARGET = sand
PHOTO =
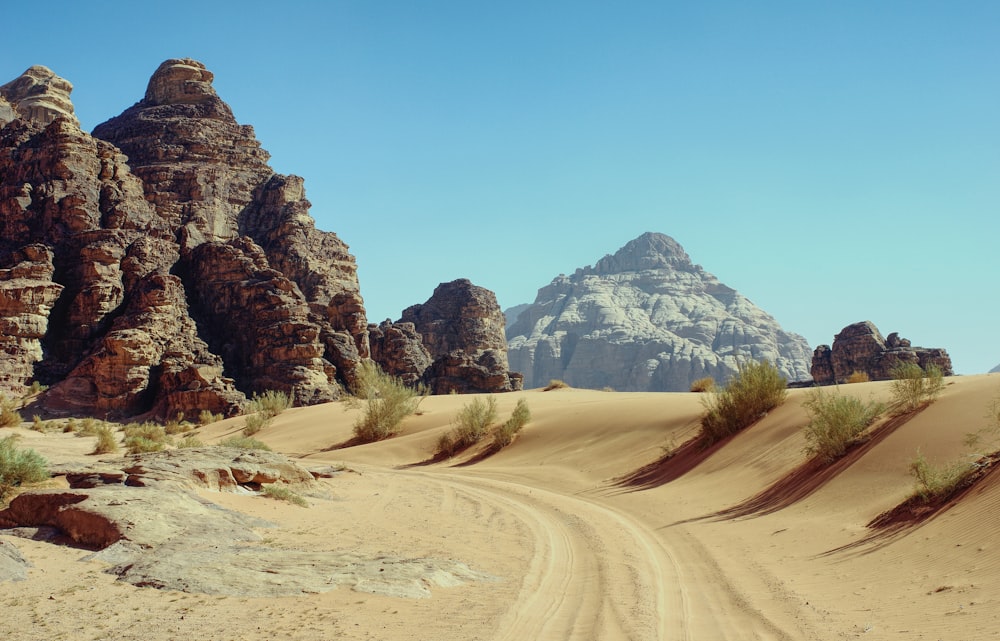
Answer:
(581, 534)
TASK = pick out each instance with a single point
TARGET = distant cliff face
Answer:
(160, 265)
(860, 347)
(646, 319)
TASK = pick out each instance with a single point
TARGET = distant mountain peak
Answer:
(649, 251)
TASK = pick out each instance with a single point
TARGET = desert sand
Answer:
(580, 531)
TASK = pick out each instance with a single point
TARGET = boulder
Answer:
(860, 347)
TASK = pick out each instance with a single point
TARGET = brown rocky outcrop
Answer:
(462, 328)
(105, 290)
(860, 347)
(400, 351)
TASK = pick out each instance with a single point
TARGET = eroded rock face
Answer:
(860, 347)
(128, 314)
(462, 328)
(38, 95)
(646, 319)
(400, 351)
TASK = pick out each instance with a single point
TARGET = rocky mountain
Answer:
(160, 265)
(646, 319)
(860, 347)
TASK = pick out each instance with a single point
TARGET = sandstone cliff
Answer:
(160, 265)
(646, 319)
(860, 347)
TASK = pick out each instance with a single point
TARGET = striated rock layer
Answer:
(860, 347)
(646, 319)
(160, 265)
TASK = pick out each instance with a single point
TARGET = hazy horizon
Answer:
(833, 164)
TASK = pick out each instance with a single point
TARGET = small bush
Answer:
(177, 425)
(35, 388)
(836, 422)
(270, 403)
(189, 441)
(87, 427)
(858, 377)
(755, 390)
(107, 442)
(282, 493)
(37, 423)
(471, 424)
(704, 384)
(555, 383)
(19, 466)
(255, 423)
(145, 437)
(388, 402)
(913, 387)
(244, 443)
(205, 417)
(504, 434)
(70, 426)
(936, 482)
(9, 416)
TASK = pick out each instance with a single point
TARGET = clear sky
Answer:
(834, 161)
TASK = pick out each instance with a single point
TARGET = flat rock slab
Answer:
(13, 566)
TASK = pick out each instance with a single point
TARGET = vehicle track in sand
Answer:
(596, 572)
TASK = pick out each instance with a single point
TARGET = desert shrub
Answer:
(37, 423)
(35, 388)
(836, 422)
(913, 386)
(704, 384)
(145, 437)
(189, 441)
(205, 417)
(282, 493)
(503, 434)
(270, 403)
(87, 427)
(471, 424)
(858, 376)
(9, 416)
(555, 383)
(938, 481)
(255, 423)
(19, 466)
(70, 426)
(244, 443)
(178, 425)
(107, 442)
(387, 402)
(755, 390)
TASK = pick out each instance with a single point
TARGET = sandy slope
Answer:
(586, 537)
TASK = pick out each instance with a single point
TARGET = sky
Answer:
(834, 162)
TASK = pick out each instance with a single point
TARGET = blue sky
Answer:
(834, 162)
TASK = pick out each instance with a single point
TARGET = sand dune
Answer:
(586, 532)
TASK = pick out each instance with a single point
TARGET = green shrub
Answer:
(704, 384)
(145, 437)
(282, 493)
(269, 404)
(205, 417)
(107, 442)
(913, 386)
(189, 441)
(9, 416)
(755, 390)
(244, 443)
(387, 402)
(19, 466)
(836, 422)
(471, 424)
(504, 434)
(255, 423)
(936, 482)
(555, 383)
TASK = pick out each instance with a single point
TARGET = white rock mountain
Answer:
(645, 319)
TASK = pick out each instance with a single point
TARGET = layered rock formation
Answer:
(646, 319)
(183, 276)
(860, 347)
(462, 329)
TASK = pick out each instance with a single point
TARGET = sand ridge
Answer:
(578, 552)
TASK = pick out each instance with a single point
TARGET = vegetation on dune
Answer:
(205, 417)
(858, 377)
(754, 391)
(244, 443)
(19, 466)
(385, 401)
(471, 425)
(9, 416)
(503, 434)
(703, 384)
(914, 387)
(836, 422)
(555, 383)
(107, 442)
(262, 408)
(145, 437)
(283, 493)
